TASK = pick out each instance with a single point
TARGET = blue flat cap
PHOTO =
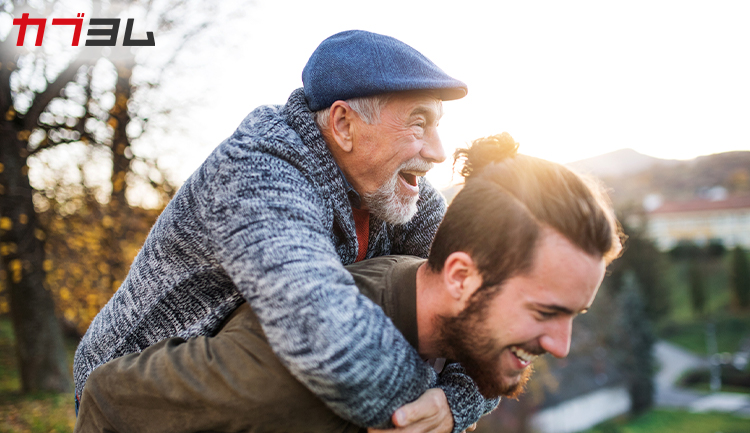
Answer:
(356, 63)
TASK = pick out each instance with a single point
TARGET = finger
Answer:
(426, 406)
(472, 427)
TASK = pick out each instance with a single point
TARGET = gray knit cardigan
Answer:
(266, 219)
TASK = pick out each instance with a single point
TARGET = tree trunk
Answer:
(42, 359)
(121, 160)
(41, 354)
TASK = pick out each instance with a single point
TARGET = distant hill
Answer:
(620, 162)
(632, 176)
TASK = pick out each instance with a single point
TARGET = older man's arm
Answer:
(269, 237)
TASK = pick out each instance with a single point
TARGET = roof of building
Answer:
(699, 205)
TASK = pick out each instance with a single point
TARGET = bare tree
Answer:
(50, 97)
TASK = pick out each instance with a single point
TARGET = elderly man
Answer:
(277, 209)
(521, 251)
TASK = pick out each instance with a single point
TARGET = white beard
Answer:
(387, 204)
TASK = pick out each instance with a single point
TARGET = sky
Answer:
(568, 80)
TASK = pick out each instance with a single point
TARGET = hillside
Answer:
(618, 163)
(631, 176)
(636, 175)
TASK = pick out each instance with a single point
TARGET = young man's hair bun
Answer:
(483, 152)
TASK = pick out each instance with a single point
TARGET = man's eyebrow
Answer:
(561, 309)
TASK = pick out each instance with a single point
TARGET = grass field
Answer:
(36, 413)
(731, 329)
(663, 421)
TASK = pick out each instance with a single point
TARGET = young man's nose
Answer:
(556, 340)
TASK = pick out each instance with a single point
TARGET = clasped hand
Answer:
(429, 413)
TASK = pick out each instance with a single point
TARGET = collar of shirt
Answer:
(354, 198)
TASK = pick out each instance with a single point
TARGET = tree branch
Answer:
(31, 118)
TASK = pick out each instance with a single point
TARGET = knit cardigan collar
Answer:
(331, 182)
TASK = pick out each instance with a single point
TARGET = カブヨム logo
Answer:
(112, 27)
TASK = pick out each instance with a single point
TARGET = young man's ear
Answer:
(341, 125)
(461, 277)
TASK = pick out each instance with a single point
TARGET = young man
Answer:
(521, 251)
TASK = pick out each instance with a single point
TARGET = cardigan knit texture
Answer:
(266, 219)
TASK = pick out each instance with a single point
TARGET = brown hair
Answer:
(507, 199)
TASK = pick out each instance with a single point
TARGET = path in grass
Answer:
(674, 361)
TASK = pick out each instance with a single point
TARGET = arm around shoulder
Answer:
(267, 223)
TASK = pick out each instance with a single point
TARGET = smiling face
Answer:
(389, 157)
(497, 339)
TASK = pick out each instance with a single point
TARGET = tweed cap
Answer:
(356, 63)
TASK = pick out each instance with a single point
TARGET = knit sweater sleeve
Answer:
(464, 398)
(265, 221)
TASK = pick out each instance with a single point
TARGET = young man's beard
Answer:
(462, 339)
(387, 204)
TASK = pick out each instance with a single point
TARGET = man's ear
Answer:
(461, 277)
(342, 126)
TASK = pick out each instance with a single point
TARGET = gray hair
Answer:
(368, 108)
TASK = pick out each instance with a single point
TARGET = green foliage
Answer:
(740, 277)
(690, 250)
(697, 288)
(716, 278)
(673, 421)
(647, 263)
(634, 356)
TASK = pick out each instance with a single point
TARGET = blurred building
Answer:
(724, 219)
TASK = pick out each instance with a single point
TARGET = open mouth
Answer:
(523, 356)
(411, 177)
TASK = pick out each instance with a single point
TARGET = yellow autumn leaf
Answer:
(23, 135)
(6, 223)
(16, 270)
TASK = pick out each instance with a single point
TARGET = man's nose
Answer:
(432, 150)
(557, 338)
